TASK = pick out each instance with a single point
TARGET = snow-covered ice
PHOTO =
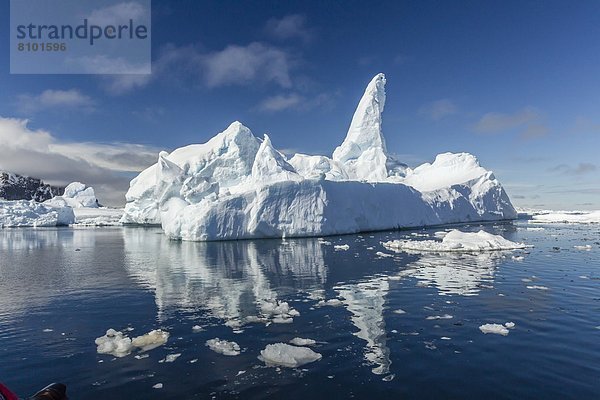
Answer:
(151, 340)
(494, 328)
(76, 195)
(120, 345)
(571, 217)
(23, 213)
(223, 347)
(285, 355)
(237, 186)
(456, 241)
(302, 342)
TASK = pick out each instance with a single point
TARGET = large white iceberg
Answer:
(23, 213)
(76, 195)
(237, 186)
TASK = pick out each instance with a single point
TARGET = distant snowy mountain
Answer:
(17, 187)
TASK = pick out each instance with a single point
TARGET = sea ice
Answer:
(22, 213)
(456, 241)
(583, 247)
(285, 355)
(570, 217)
(341, 247)
(302, 342)
(151, 340)
(120, 345)
(223, 347)
(237, 186)
(494, 328)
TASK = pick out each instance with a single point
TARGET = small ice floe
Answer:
(141, 356)
(278, 311)
(494, 328)
(223, 347)
(518, 258)
(114, 343)
(194, 361)
(436, 317)
(399, 311)
(170, 358)
(241, 372)
(535, 229)
(510, 325)
(388, 378)
(120, 345)
(445, 338)
(157, 386)
(302, 342)
(283, 320)
(370, 248)
(324, 242)
(341, 247)
(382, 254)
(330, 302)
(587, 247)
(537, 287)
(151, 340)
(285, 355)
(416, 234)
(197, 328)
(456, 241)
(48, 330)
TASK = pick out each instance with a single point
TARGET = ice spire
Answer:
(363, 151)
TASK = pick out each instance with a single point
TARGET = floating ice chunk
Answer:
(115, 343)
(570, 217)
(22, 213)
(382, 254)
(509, 325)
(285, 355)
(456, 241)
(302, 342)
(535, 229)
(172, 357)
(587, 247)
(494, 328)
(282, 320)
(399, 311)
(48, 330)
(157, 386)
(197, 328)
(151, 340)
(341, 247)
(435, 317)
(518, 258)
(223, 347)
(141, 356)
(537, 287)
(330, 302)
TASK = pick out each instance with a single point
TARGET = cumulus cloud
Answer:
(235, 65)
(120, 13)
(107, 167)
(246, 64)
(54, 99)
(438, 109)
(289, 27)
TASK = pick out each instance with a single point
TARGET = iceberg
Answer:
(24, 213)
(76, 195)
(285, 355)
(237, 186)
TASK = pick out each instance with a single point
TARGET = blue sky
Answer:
(515, 83)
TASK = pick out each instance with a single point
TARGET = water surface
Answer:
(407, 326)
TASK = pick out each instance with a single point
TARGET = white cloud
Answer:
(289, 27)
(280, 102)
(579, 169)
(438, 109)
(190, 66)
(54, 99)
(243, 65)
(107, 167)
(496, 122)
(120, 13)
(295, 101)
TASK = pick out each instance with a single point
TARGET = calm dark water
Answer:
(62, 288)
